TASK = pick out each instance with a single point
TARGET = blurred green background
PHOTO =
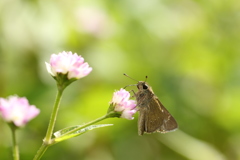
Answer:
(189, 50)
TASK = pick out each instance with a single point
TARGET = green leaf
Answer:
(63, 134)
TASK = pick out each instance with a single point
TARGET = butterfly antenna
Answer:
(129, 77)
(146, 79)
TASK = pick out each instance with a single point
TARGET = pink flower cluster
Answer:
(123, 104)
(17, 110)
(68, 63)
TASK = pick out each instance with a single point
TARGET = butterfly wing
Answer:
(141, 121)
(155, 117)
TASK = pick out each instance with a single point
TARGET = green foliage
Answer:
(188, 49)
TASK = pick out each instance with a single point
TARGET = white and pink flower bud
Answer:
(122, 104)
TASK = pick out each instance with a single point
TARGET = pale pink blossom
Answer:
(92, 20)
(17, 110)
(123, 104)
(68, 63)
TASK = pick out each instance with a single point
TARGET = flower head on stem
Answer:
(122, 105)
(17, 110)
(67, 67)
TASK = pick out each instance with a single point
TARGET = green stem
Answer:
(110, 114)
(47, 140)
(41, 151)
(53, 117)
(15, 146)
(83, 126)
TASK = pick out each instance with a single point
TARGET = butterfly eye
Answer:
(145, 86)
